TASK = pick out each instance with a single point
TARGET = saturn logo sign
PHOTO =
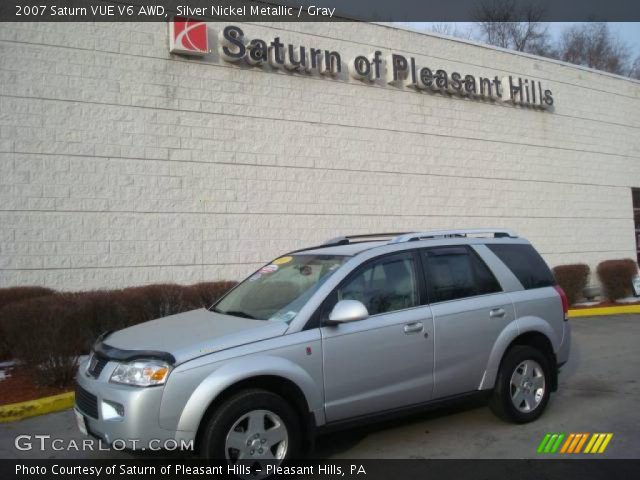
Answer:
(188, 37)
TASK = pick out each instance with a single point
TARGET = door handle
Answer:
(497, 313)
(413, 328)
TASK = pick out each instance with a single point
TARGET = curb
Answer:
(597, 311)
(33, 408)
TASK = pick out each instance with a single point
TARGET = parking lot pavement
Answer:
(599, 392)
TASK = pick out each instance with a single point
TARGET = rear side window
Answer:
(456, 272)
(525, 263)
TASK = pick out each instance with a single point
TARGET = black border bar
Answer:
(309, 10)
(158, 469)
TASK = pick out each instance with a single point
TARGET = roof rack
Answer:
(351, 239)
(400, 237)
(366, 237)
(480, 232)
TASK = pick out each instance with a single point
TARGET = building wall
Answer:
(121, 164)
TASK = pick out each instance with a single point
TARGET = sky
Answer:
(629, 32)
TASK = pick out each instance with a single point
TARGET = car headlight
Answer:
(141, 373)
(90, 360)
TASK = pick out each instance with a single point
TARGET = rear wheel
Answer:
(523, 385)
(252, 427)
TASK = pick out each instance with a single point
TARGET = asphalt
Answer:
(599, 392)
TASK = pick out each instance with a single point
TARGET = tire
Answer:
(523, 385)
(257, 416)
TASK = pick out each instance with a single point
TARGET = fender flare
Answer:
(241, 369)
(505, 339)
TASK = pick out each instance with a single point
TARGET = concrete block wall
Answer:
(121, 164)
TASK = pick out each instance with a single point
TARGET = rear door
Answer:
(386, 360)
(539, 297)
(469, 311)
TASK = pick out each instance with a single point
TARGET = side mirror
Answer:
(347, 311)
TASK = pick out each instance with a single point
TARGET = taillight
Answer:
(565, 301)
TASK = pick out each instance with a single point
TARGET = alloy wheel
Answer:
(258, 436)
(527, 386)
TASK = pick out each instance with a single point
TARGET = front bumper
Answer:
(138, 427)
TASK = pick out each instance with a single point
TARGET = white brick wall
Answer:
(121, 164)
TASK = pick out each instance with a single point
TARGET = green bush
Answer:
(616, 277)
(572, 279)
(47, 334)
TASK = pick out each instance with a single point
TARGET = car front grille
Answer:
(86, 402)
(96, 365)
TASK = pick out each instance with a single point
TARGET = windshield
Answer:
(280, 289)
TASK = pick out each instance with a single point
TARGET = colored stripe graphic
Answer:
(607, 439)
(594, 437)
(555, 447)
(598, 443)
(573, 443)
(567, 443)
(581, 443)
(550, 443)
(543, 443)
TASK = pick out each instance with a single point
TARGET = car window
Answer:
(525, 263)
(383, 286)
(279, 290)
(456, 272)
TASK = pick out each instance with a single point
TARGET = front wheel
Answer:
(252, 427)
(523, 385)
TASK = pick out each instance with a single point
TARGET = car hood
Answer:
(189, 335)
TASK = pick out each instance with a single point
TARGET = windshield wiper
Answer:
(237, 313)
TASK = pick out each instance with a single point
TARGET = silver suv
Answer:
(359, 327)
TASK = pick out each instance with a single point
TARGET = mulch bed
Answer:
(20, 386)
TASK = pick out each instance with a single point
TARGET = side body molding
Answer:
(243, 368)
(514, 329)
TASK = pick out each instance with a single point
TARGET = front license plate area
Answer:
(81, 422)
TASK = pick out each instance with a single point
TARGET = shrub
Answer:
(13, 295)
(48, 333)
(209, 292)
(17, 294)
(5, 350)
(160, 300)
(572, 279)
(616, 277)
(103, 310)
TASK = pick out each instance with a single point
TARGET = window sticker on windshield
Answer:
(288, 316)
(282, 260)
(269, 269)
(255, 277)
